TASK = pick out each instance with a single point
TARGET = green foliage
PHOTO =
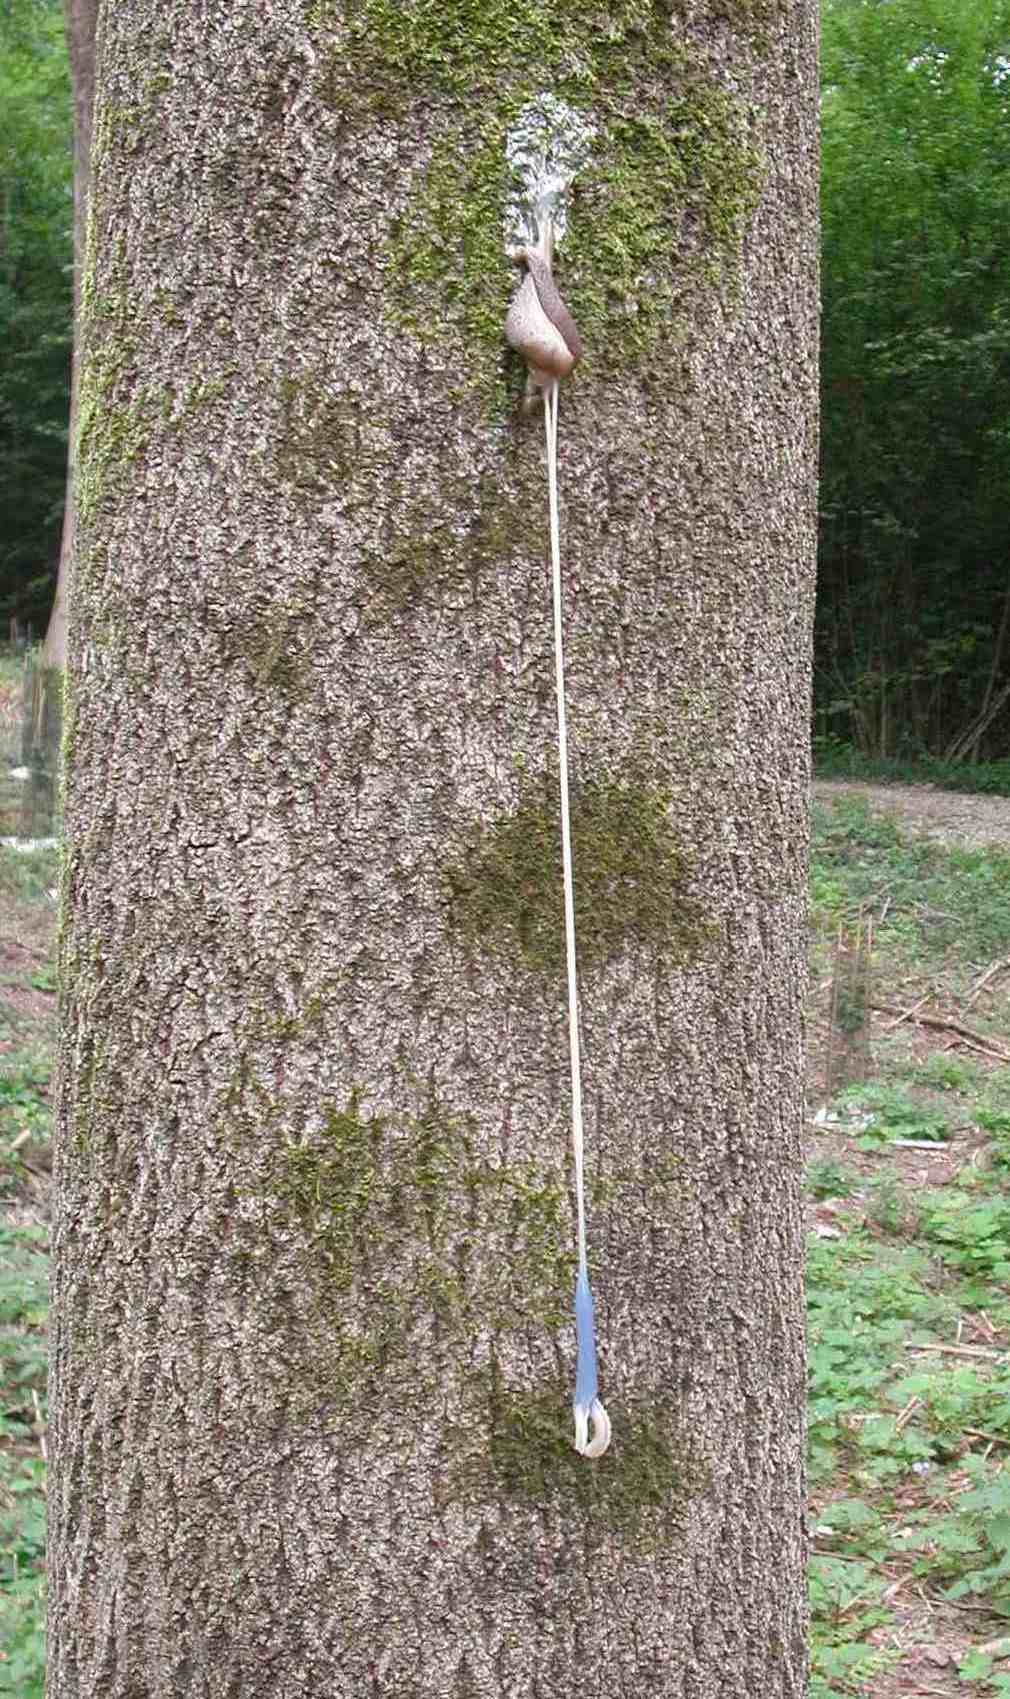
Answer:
(979, 1666)
(24, 1112)
(877, 1424)
(958, 1398)
(973, 1237)
(936, 901)
(967, 1545)
(916, 374)
(894, 1115)
(845, 1606)
(35, 301)
(849, 828)
(26, 875)
(864, 1301)
(22, 1630)
(23, 1296)
(830, 1180)
(890, 1207)
(836, 759)
(846, 1598)
(947, 1073)
(996, 1122)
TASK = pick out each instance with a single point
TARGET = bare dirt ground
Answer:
(950, 817)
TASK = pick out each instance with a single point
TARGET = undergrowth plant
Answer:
(23, 1292)
(928, 901)
(909, 1412)
(886, 1112)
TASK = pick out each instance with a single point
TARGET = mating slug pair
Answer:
(539, 325)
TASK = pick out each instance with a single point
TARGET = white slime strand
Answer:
(551, 432)
(596, 1446)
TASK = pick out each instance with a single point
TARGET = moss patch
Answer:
(660, 210)
(424, 554)
(330, 1188)
(110, 437)
(389, 50)
(274, 644)
(645, 1476)
(449, 279)
(321, 438)
(505, 890)
(661, 207)
(327, 447)
(390, 1209)
(113, 417)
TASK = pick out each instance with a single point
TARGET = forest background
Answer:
(913, 623)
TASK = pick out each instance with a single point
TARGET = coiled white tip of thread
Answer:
(596, 1413)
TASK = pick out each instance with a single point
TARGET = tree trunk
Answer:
(313, 1354)
(81, 17)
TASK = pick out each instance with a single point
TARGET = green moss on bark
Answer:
(109, 437)
(647, 1475)
(113, 418)
(328, 448)
(505, 887)
(395, 1205)
(330, 1188)
(321, 438)
(662, 206)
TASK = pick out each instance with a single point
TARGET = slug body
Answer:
(539, 325)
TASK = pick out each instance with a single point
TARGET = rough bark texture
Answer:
(81, 21)
(313, 1355)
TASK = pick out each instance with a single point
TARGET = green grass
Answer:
(829, 1179)
(27, 876)
(891, 1113)
(26, 1031)
(25, 1117)
(930, 902)
(895, 1433)
(23, 1292)
(909, 1394)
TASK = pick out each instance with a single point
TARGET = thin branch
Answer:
(993, 1439)
(990, 973)
(961, 1351)
(907, 1013)
(945, 1023)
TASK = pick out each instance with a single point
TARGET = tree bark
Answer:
(81, 19)
(313, 1353)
